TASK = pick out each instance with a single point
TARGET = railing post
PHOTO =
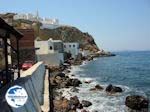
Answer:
(18, 58)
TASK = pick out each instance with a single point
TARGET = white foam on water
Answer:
(101, 101)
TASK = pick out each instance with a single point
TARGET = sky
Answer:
(115, 24)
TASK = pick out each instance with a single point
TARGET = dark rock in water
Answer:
(113, 89)
(89, 58)
(74, 89)
(80, 106)
(73, 75)
(74, 101)
(73, 82)
(76, 82)
(84, 110)
(68, 71)
(97, 88)
(86, 103)
(66, 76)
(88, 81)
(137, 102)
(61, 75)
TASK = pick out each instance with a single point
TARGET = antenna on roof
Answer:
(38, 23)
(37, 15)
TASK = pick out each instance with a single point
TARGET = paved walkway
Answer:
(45, 106)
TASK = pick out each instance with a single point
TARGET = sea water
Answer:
(128, 70)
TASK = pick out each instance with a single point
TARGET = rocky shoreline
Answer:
(61, 79)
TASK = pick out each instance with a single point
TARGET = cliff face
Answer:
(70, 34)
(65, 33)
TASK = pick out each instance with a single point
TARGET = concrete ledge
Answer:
(33, 82)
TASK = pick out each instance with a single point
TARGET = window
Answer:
(50, 47)
(74, 46)
(69, 45)
(64, 46)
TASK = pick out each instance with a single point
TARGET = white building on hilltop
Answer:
(32, 17)
(50, 51)
(72, 48)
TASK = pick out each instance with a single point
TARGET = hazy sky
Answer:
(115, 24)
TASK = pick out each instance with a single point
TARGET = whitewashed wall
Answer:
(72, 48)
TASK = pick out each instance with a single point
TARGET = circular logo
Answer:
(16, 96)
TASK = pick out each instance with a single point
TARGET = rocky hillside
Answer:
(70, 34)
(65, 33)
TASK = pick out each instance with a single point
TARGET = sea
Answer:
(128, 70)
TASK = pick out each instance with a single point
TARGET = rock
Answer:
(66, 77)
(74, 101)
(73, 82)
(86, 103)
(72, 75)
(90, 58)
(84, 110)
(74, 89)
(88, 81)
(61, 105)
(137, 102)
(113, 89)
(61, 75)
(63, 85)
(58, 79)
(80, 106)
(53, 82)
(68, 71)
(97, 88)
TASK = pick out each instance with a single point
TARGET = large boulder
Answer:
(97, 88)
(113, 89)
(61, 75)
(86, 103)
(74, 82)
(136, 102)
(61, 105)
(74, 101)
(58, 79)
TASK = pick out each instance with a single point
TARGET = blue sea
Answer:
(128, 70)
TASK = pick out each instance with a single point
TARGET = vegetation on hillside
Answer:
(64, 33)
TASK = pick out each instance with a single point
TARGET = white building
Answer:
(49, 21)
(32, 17)
(72, 48)
(50, 51)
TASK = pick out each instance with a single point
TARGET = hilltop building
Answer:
(32, 17)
